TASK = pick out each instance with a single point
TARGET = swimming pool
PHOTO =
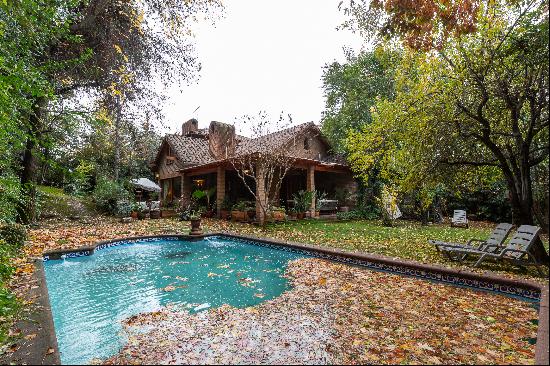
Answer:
(90, 295)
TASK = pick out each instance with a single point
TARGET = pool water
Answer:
(90, 296)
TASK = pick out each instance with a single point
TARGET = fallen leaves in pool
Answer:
(341, 314)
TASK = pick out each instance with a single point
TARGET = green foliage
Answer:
(351, 91)
(342, 195)
(124, 208)
(9, 308)
(302, 200)
(465, 116)
(107, 194)
(13, 235)
(6, 267)
(226, 204)
(10, 196)
(370, 212)
(80, 180)
(244, 206)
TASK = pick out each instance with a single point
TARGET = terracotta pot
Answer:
(300, 215)
(168, 213)
(208, 214)
(278, 215)
(238, 215)
(196, 227)
(134, 214)
(224, 215)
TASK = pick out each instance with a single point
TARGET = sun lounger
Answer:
(495, 241)
(517, 251)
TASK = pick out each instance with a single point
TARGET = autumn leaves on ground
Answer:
(363, 316)
(339, 314)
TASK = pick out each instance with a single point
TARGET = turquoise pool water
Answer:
(90, 296)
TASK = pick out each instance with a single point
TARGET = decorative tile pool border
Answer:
(527, 290)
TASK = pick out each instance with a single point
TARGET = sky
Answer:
(262, 56)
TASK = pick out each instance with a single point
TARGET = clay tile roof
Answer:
(190, 150)
(193, 150)
(273, 141)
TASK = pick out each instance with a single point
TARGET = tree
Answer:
(420, 24)
(481, 101)
(475, 107)
(351, 89)
(262, 165)
(66, 46)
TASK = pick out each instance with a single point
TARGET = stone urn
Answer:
(196, 226)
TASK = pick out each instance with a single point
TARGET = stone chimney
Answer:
(221, 140)
(189, 127)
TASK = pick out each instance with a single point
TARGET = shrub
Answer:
(6, 268)
(369, 212)
(107, 194)
(124, 208)
(13, 235)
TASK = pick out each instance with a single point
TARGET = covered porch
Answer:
(230, 189)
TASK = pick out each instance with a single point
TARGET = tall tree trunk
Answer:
(27, 209)
(521, 198)
(117, 140)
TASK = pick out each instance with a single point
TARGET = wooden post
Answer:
(185, 189)
(220, 189)
(311, 187)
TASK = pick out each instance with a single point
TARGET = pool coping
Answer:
(541, 347)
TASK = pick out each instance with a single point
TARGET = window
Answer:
(306, 143)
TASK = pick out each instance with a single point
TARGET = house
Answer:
(201, 159)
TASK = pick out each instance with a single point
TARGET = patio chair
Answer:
(459, 219)
(518, 250)
(495, 241)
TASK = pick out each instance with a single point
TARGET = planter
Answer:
(251, 214)
(238, 215)
(317, 213)
(224, 214)
(134, 214)
(300, 215)
(140, 215)
(208, 214)
(278, 215)
(167, 212)
(196, 227)
(154, 214)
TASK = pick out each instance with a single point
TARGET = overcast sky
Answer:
(263, 55)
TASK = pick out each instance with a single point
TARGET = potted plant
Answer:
(250, 210)
(319, 197)
(292, 213)
(225, 208)
(277, 213)
(195, 218)
(302, 203)
(135, 210)
(238, 211)
(168, 209)
(207, 195)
